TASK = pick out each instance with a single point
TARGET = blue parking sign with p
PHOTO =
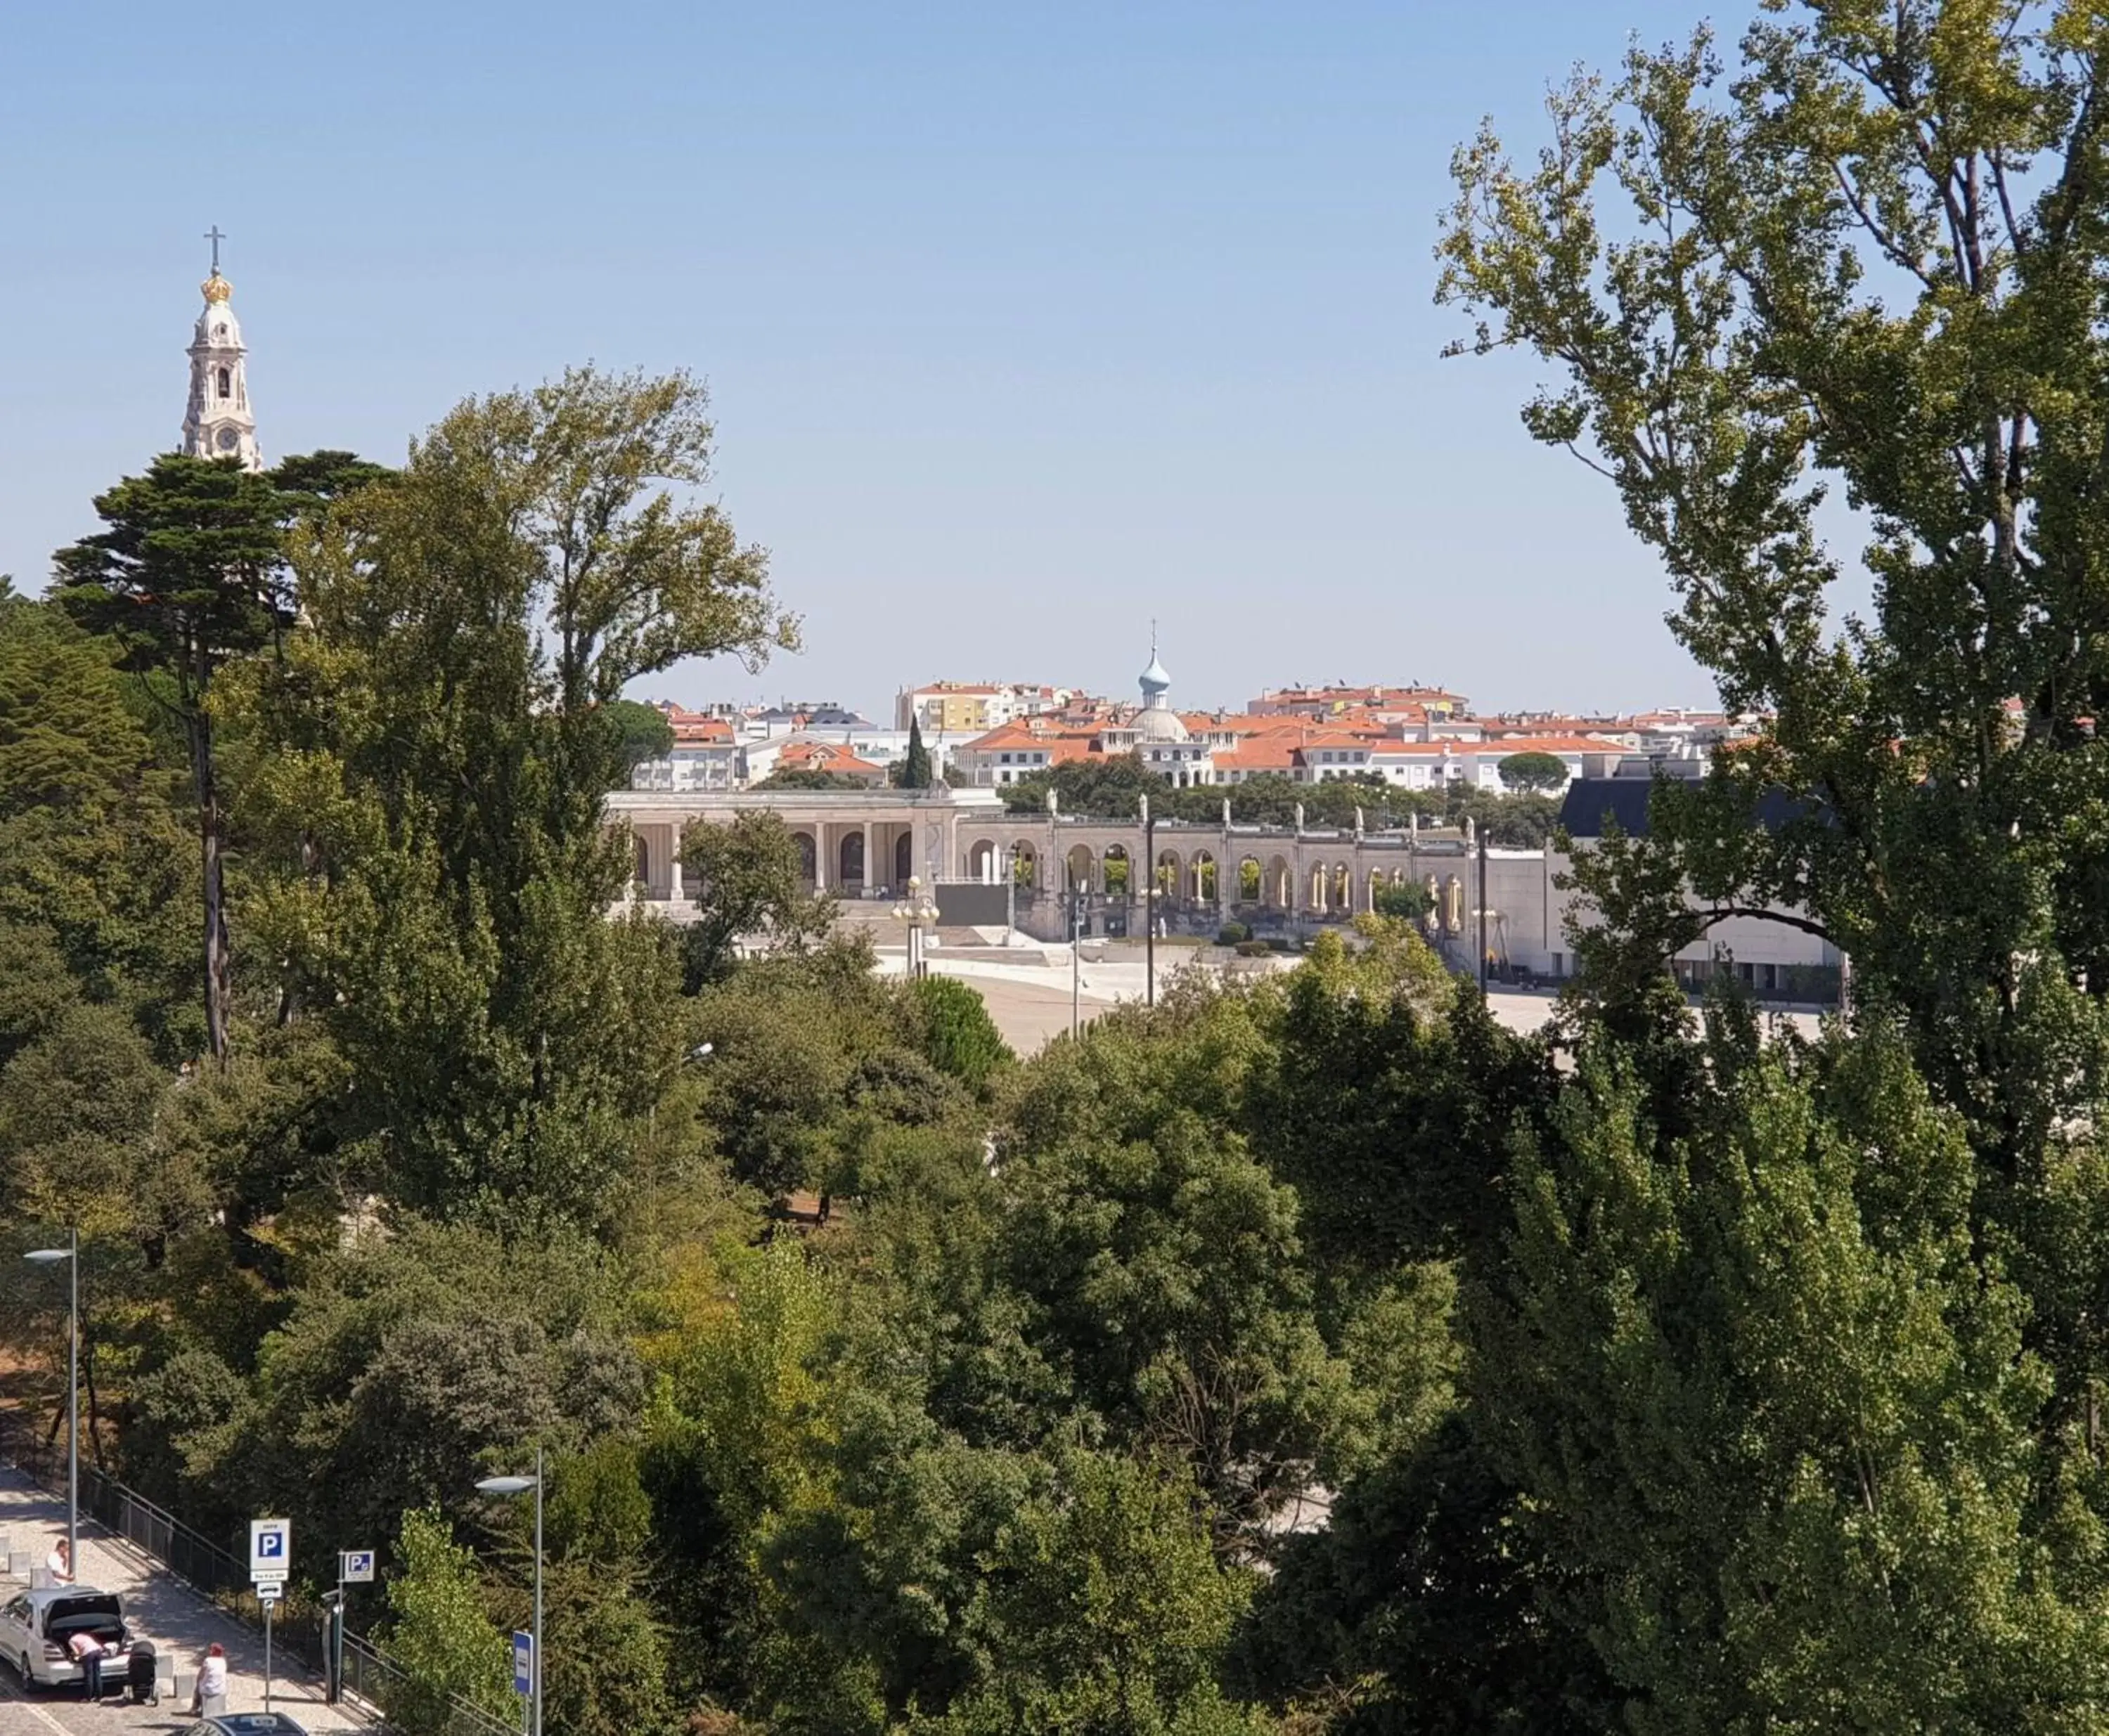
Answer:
(270, 1547)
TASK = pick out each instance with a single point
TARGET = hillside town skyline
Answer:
(993, 733)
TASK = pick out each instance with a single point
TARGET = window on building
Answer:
(226, 383)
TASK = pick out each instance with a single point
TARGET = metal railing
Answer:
(191, 1556)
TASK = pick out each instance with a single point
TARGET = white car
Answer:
(35, 1626)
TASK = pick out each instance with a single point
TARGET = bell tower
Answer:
(217, 424)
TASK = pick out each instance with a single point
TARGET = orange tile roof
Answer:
(1554, 744)
(828, 756)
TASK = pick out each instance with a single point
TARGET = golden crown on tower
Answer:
(216, 288)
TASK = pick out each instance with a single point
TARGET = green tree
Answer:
(1772, 1405)
(1531, 774)
(957, 1034)
(437, 1631)
(750, 883)
(1162, 1264)
(1861, 255)
(97, 893)
(442, 753)
(642, 733)
(190, 574)
(804, 777)
(1106, 1612)
(1105, 786)
(1404, 900)
(915, 772)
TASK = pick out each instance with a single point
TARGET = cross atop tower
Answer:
(215, 237)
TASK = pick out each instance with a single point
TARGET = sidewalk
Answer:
(160, 1607)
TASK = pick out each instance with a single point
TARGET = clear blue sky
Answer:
(1023, 323)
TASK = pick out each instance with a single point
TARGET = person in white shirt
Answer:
(59, 1563)
(210, 1694)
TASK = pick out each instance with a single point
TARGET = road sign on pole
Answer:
(356, 1568)
(523, 1663)
(270, 1547)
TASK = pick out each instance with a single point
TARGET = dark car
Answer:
(245, 1723)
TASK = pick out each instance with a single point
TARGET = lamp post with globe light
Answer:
(45, 1256)
(510, 1485)
(921, 916)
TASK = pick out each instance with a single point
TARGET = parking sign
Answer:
(270, 1548)
(355, 1568)
(523, 1662)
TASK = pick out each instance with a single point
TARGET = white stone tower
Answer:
(217, 424)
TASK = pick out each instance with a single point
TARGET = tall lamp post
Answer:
(920, 915)
(45, 1256)
(1149, 904)
(1080, 913)
(521, 1486)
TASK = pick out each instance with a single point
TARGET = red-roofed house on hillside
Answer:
(832, 757)
(1012, 752)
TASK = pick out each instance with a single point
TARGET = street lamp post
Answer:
(919, 914)
(45, 1256)
(519, 1485)
(1149, 904)
(1079, 916)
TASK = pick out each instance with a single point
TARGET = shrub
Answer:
(1233, 933)
(956, 1032)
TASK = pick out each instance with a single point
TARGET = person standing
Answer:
(59, 1563)
(88, 1652)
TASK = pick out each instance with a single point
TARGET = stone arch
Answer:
(1201, 876)
(1025, 863)
(1315, 884)
(808, 855)
(1118, 872)
(1340, 898)
(1280, 885)
(1082, 866)
(1169, 875)
(641, 867)
(1251, 888)
(904, 859)
(981, 860)
(850, 854)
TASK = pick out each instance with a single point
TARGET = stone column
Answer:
(819, 856)
(870, 858)
(674, 862)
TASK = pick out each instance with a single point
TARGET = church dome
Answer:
(1159, 723)
(1153, 680)
(216, 288)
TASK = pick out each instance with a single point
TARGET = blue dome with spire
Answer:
(1154, 680)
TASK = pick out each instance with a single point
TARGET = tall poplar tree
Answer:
(1869, 258)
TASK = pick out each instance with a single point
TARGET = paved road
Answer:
(179, 1622)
